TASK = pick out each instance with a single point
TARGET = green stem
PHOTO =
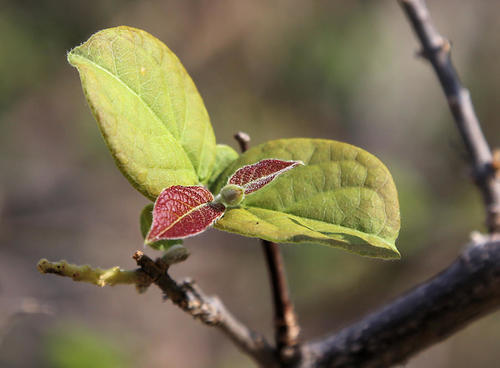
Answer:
(97, 276)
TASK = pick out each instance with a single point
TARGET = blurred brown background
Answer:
(334, 69)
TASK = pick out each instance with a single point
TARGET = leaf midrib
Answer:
(273, 175)
(184, 215)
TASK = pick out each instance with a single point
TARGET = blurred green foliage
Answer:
(325, 63)
(341, 70)
(71, 346)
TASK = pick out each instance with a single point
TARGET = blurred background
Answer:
(342, 70)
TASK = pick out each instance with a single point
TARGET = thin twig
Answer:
(285, 321)
(243, 140)
(95, 275)
(209, 310)
(464, 292)
(436, 49)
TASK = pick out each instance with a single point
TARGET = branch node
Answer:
(437, 50)
(445, 46)
(208, 310)
(442, 49)
(495, 164)
(478, 238)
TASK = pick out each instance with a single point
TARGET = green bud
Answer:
(232, 195)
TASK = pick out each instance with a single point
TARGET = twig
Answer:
(465, 291)
(285, 321)
(243, 140)
(436, 49)
(95, 275)
(208, 310)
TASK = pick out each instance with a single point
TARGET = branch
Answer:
(464, 292)
(111, 276)
(286, 327)
(208, 310)
(436, 49)
(285, 321)
(95, 275)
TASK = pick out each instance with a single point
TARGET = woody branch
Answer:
(460, 294)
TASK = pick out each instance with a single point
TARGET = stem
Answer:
(207, 309)
(462, 293)
(286, 327)
(95, 275)
(436, 49)
(285, 320)
(243, 140)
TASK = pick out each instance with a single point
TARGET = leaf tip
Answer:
(255, 176)
(70, 56)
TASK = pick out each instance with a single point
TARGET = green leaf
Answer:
(343, 197)
(146, 219)
(225, 155)
(148, 109)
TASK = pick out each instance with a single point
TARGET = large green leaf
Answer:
(343, 197)
(148, 109)
(224, 157)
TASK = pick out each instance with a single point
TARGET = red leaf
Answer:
(253, 177)
(182, 211)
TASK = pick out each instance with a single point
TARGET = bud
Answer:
(232, 195)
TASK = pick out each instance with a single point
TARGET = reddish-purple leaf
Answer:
(181, 211)
(253, 177)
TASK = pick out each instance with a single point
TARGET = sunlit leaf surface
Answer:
(148, 109)
(182, 211)
(225, 155)
(254, 177)
(343, 196)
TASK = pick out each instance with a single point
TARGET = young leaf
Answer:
(146, 220)
(148, 109)
(182, 211)
(254, 177)
(343, 197)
